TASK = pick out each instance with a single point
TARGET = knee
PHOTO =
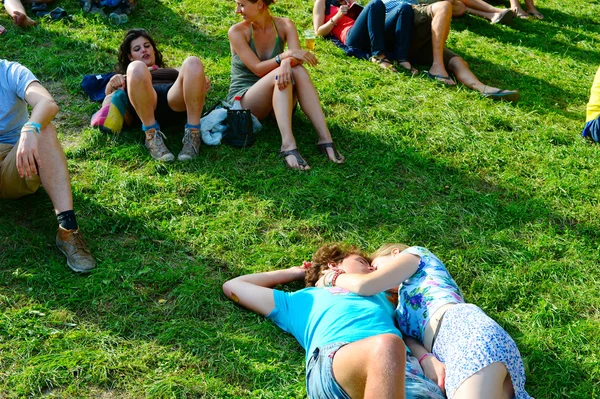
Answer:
(193, 64)
(458, 9)
(442, 8)
(378, 5)
(388, 346)
(456, 64)
(137, 71)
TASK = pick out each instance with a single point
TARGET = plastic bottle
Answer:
(237, 103)
(117, 19)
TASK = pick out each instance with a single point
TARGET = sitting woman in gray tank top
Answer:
(270, 79)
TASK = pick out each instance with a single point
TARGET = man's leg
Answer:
(372, 367)
(54, 176)
(460, 69)
(440, 28)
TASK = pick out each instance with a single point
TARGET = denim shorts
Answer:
(320, 381)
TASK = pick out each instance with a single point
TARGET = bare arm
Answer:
(388, 275)
(255, 291)
(44, 108)
(321, 27)
(432, 367)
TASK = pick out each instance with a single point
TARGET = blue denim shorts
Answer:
(320, 382)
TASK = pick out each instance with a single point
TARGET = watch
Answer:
(278, 59)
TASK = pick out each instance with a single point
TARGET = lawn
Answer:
(505, 194)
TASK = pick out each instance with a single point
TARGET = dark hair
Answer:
(125, 49)
(335, 253)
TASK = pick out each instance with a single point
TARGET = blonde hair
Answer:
(386, 249)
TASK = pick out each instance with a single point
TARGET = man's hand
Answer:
(435, 371)
(27, 153)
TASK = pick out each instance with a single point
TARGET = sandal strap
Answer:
(323, 150)
(295, 153)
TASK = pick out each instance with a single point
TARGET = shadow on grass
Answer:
(155, 282)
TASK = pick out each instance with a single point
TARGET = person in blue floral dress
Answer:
(462, 349)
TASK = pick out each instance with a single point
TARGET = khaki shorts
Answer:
(421, 50)
(12, 186)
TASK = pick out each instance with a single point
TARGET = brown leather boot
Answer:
(71, 243)
(191, 145)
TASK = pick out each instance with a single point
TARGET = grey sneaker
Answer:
(71, 243)
(156, 146)
(191, 144)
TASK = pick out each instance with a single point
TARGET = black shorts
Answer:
(163, 113)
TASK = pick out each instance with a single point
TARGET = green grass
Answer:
(505, 194)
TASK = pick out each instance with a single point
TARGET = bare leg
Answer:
(519, 12)
(311, 106)
(15, 9)
(54, 174)
(480, 5)
(264, 97)
(440, 28)
(141, 93)
(189, 90)
(460, 69)
(372, 367)
(532, 10)
(487, 383)
(482, 14)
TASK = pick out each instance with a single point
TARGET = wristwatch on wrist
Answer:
(278, 59)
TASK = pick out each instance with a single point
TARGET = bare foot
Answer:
(330, 150)
(294, 160)
(2, 30)
(519, 13)
(406, 65)
(23, 20)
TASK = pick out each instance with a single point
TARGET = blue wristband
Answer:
(36, 126)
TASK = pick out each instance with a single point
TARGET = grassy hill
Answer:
(506, 195)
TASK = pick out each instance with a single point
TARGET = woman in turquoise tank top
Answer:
(271, 80)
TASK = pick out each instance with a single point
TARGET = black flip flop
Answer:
(439, 78)
(39, 7)
(503, 95)
(295, 153)
(336, 154)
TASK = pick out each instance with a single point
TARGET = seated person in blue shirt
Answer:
(345, 335)
(30, 155)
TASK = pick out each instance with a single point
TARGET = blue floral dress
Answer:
(468, 340)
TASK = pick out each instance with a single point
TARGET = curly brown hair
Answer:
(125, 50)
(335, 253)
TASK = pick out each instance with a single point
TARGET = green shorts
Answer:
(12, 185)
(421, 50)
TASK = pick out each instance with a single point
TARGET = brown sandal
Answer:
(294, 152)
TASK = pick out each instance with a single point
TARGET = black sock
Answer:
(67, 220)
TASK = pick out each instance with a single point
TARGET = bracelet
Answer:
(333, 22)
(335, 276)
(278, 59)
(36, 126)
(423, 357)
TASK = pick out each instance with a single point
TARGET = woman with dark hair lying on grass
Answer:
(366, 31)
(269, 79)
(466, 352)
(160, 94)
(353, 348)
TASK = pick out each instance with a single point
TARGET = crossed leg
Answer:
(15, 9)
(440, 28)
(265, 96)
(189, 90)
(372, 367)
